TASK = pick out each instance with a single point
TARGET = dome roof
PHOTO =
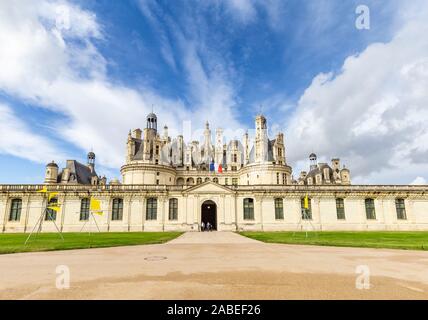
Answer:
(52, 164)
(91, 155)
(151, 115)
(312, 155)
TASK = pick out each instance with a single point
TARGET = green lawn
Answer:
(370, 239)
(14, 242)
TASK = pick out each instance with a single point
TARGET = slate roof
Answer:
(79, 173)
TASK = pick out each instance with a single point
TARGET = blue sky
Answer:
(80, 74)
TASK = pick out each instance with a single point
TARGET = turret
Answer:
(152, 121)
(165, 133)
(218, 146)
(279, 149)
(246, 145)
(313, 161)
(261, 140)
(51, 174)
(91, 161)
(207, 144)
(345, 176)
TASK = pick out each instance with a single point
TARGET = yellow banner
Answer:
(95, 205)
(54, 208)
(51, 196)
(306, 202)
(44, 190)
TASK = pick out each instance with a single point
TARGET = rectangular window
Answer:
(117, 212)
(152, 209)
(277, 178)
(235, 181)
(284, 178)
(370, 209)
(401, 209)
(279, 209)
(15, 210)
(173, 209)
(51, 213)
(226, 182)
(84, 209)
(306, 213)
(248, 209)
(340, 209)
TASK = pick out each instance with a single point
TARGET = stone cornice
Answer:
(335, 190)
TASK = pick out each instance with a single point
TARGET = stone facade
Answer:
(229, 207)
(169, 185)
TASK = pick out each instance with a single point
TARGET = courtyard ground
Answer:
(216, 265)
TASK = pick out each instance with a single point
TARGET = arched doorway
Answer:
(209, 213)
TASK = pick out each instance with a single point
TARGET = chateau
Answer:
(169, 184)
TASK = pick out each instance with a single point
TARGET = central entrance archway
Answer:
(209, 213)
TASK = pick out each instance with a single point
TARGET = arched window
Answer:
(215, 180)
(152, 209)
(51, 213)
(279, 209)
(173, 209)
(199, 180)
(190, 181)
(180, 181)
(15, 210)
(370, 209)
(84, 209)
(207, 179)
(248, 209)
(117, 210)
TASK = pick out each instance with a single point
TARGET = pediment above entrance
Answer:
(209, 187)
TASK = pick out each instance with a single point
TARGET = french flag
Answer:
(220, 168)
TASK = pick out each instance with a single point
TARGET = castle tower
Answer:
(51, 174)
(245, 142)
(345, 176)
(150, 133)
(218, 159)
(91, 161)
(180, 150)
(335, 165)
(279, 149)
(207, 144)
(313, 161)
(261, 140)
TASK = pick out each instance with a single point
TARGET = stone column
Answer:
(162, 210)
(127, 211)
(26, 204)
(258, 210)
(144, 206)
(4, 214)
(61, 201)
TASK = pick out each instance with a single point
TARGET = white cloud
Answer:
(56, 65)
(419, 181)
(373, 114)
(18, 140)
(210, 77)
